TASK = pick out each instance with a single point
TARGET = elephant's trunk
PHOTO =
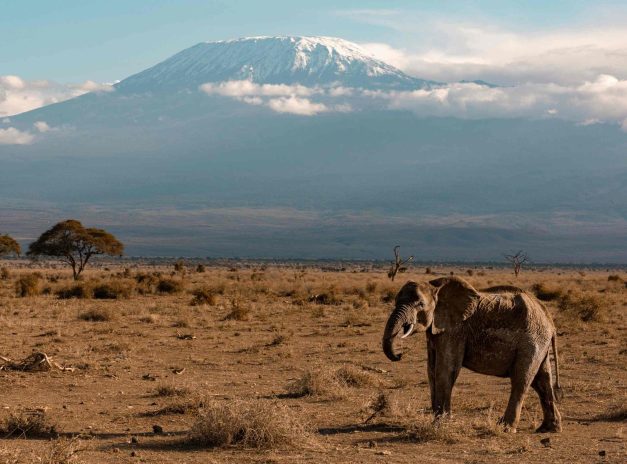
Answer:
(393, 329)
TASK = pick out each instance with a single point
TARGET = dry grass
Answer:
(28, 285)
(170, 286)
(99, 314)
(249, 424)
(166, 390)
(585, 306)
(204, 296)
(424, 429)
(239, 311)
(331, 384)
(28, 424)
(546, 292)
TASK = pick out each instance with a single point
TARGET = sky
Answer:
(61, 49)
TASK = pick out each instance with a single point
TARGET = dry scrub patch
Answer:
(331, 384)
(28, 424)
(249, 424)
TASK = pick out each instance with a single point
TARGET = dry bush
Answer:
(190, 405)
(352, 376)
(331, 384)
(77, 290)
(382, 405)
(147, 283)
(200, 268)
(170, 286)
(545, 292)
(101, 314)
(423, 428)
(249, 424)
(28, 285)
(584, 306)
(170, 391)
(114, 290)
(614, 278)
(28, 424)
(203, 296)
(62, 451)
(238, 312)
(5, 273)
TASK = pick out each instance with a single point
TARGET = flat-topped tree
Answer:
(75, 244)
(8, 246)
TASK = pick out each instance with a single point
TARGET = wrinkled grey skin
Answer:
(501, 332)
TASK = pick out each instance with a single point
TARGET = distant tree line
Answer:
(70, 242)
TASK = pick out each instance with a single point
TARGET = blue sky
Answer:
(76, 40)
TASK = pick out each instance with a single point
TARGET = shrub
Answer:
(28, 285)
(170, 286)
(179, 266)
(170, 390)
(97, 315)
(585, 306)
(614, 278)
(331, 384)
(545, 292)
(470, 272)
(352, 376)
(250, 424)
(80, 290)
(203, 296)
(238, 312)
(114, 290)
(200, 268)
(5, 274)
(147, 283)
(28, 424)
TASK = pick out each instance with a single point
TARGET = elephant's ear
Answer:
(456, 301)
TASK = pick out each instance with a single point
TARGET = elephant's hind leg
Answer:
(523, 373)
(552, 421)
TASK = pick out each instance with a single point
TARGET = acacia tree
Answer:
(398, 265)
(8, 245)
(517, 260)
(75, 244)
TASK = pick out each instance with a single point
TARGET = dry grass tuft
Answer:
(204, 296)
(78, 290)
(28, 285)
(114, 290)
(382, 405)
(425, 429)
(585, 306)
(101, 314)
(330, 384)
(62, 451)
(616, 413)
(249, 424)
(239, 312)
(5, 273)
(170, 391)
(545, 292)
(28, 424)
(170, 286)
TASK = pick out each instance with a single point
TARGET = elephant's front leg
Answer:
(431, 370)
(449, 355)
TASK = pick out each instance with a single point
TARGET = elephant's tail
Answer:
(557, 389)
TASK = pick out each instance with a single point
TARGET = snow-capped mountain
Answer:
(308, 61)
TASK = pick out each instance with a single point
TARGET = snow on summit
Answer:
(308, 61)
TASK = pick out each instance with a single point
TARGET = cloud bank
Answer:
(281, 98)
(18, 95)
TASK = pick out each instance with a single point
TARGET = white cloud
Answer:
(42, 126)
(602, 99)
(281, 98)
(12, 136)
(449, 50)
(18, 95)
(295, 105)
(245, 88)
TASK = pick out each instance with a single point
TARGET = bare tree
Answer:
(398, 265)
(517, 260)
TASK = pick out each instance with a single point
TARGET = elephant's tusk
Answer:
(409, 331)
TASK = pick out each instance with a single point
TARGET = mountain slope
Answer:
(307, 61)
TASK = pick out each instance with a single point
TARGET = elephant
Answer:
(501, 331)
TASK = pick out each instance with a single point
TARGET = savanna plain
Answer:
(253, 362)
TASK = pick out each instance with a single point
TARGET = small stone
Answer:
(602, 453)
(383, 453)
(134, 440)
(546, 442)
(116, 450)
(157, 429)
(372, 444)
(133, 453)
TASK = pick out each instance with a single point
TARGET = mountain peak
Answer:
(308, 61)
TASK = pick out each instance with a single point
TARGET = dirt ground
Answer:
(262, 329)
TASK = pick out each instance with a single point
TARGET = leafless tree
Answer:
(398, 265)
(517, 260)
